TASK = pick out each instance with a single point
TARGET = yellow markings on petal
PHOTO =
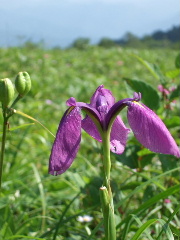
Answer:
(70, 109)
(139, 104)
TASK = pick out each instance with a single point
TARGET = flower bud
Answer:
(23, 83)
(6, 91)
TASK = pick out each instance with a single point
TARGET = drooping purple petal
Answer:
(89, 126)
(67, 141)
(118, 137)
(150, 131)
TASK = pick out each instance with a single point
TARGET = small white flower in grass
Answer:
(17, 193)
(85, 218)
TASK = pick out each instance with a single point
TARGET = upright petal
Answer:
(118, 137)
(67, 141)
(150, 131)
(103, 92)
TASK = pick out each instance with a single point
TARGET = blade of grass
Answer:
(166, 223)
(94, 231)
(26, 237)
(147, 65)
(139, 188)
(143, 228)
(35, 120)
(153, 200)
(18, 127)
(41, 190)
(62, 216)
(166, 229)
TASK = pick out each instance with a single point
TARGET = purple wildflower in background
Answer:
(102, 112)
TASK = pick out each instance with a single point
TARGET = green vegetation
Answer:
(36, 205)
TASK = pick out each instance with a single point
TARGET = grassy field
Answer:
(36, 205)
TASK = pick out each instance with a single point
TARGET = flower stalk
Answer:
(105, 191)
(108, 214)
(5, 124)
(23, 86)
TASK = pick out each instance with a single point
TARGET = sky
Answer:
(60, 22)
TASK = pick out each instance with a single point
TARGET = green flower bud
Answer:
(23, 83)
(6, 91)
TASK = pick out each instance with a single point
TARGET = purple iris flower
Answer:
(102, 114)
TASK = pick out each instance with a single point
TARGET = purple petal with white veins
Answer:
(67, 141)
(150, 131)
(118, 137)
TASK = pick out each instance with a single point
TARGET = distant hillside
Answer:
(172, 35)
(159, 38)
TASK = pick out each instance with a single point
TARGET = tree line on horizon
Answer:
(158, 39)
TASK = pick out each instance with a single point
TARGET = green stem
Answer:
(105, 191)
(3, 145)
(16, 100)
(106, 159)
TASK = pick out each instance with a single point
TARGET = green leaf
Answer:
(1, 117)
(174, 121)
(156, 198)
(177, 61)
(143, 228)
(150, 202)
(166, 229)
(18, 127)
(5, 231)
(7, 222)
(168, 163)
(143, 152)
(175, 230)
(25, 237)
(150, 96)
(175, 93)
(166, 226)
(151, 67)
(129, 157)
(173, 73)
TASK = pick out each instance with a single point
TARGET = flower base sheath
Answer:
(102, 115)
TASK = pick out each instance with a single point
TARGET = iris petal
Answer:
(66, 143)
(103, 92)
(82, 105)
(118, 137)
(150, 131)
(89, 126)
